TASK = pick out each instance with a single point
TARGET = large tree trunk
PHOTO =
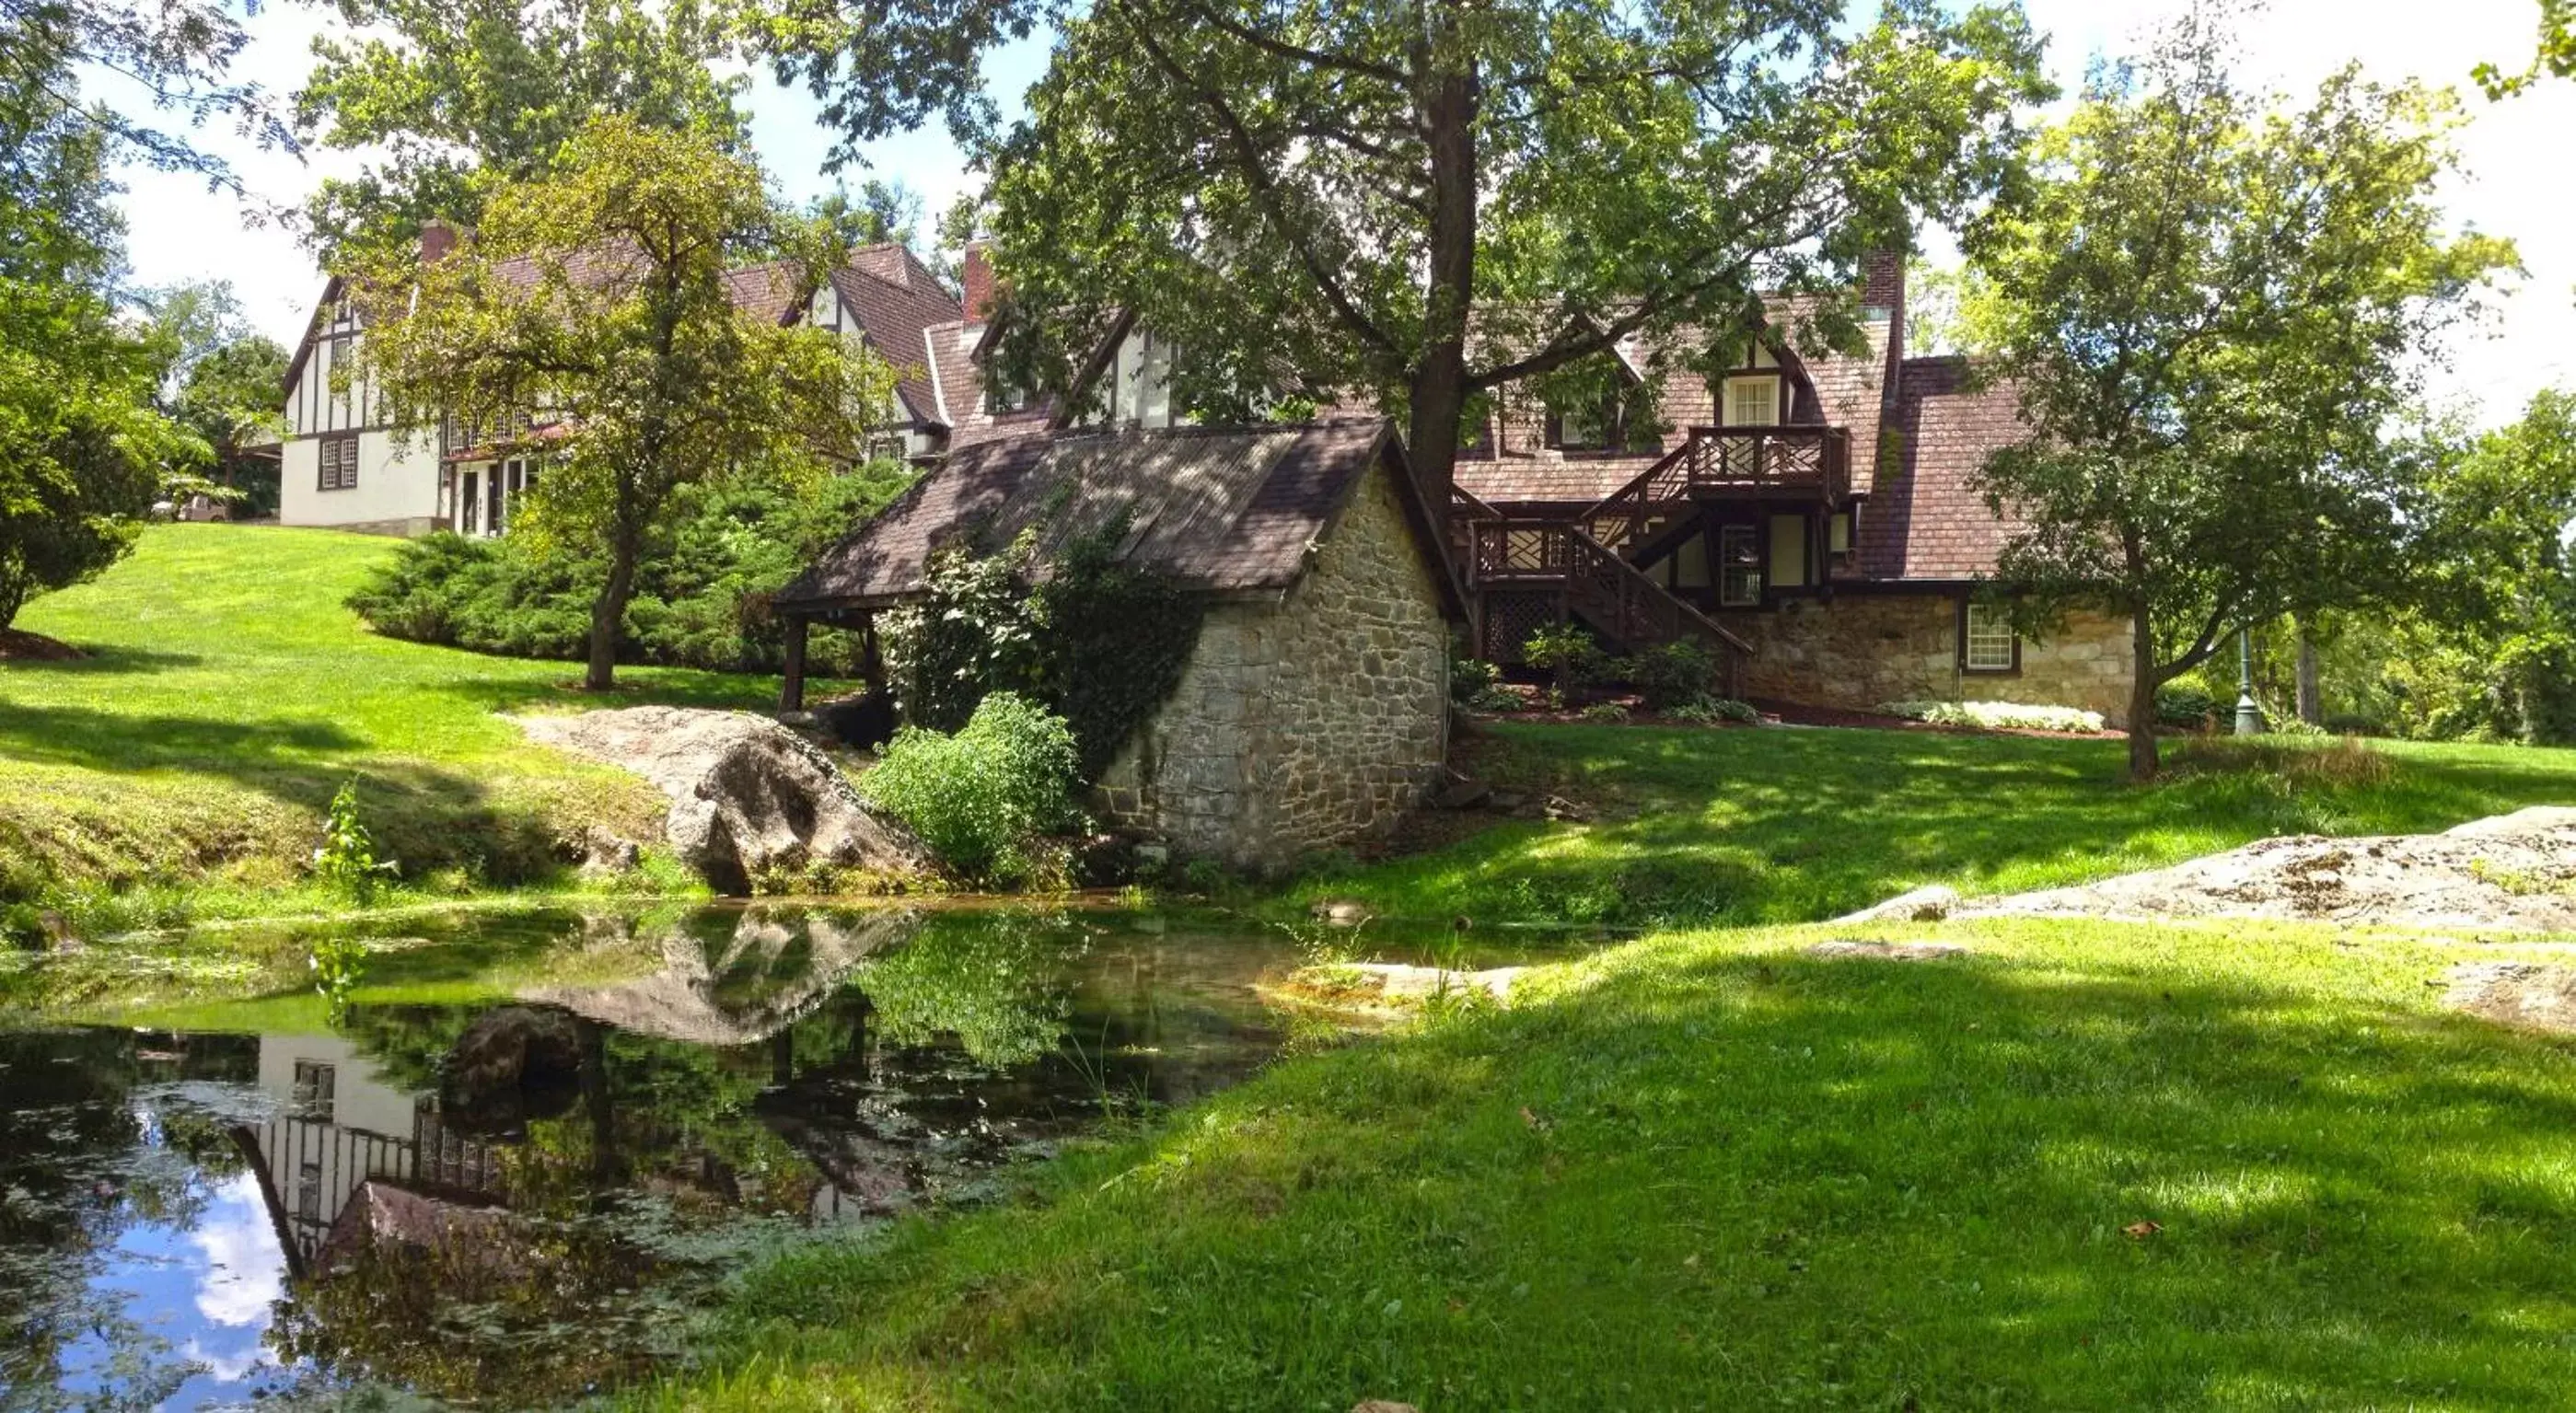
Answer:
(1439, 385)
(608, 613)
(2142, 696)
(2312, 703)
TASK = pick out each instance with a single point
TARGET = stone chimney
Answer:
(437, 237)
(977, 276)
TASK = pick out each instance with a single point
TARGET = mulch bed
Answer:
(18, 646)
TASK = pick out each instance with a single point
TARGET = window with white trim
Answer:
(339, 458)
(1753, 402)
(1988, 642)
(1739, 560)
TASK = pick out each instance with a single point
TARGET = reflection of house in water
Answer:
(339, 1128)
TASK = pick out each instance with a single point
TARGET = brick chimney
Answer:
(977, 275)
(1883, 282)
(437, 238)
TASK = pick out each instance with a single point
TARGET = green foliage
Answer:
(1605, 714)
(993, 980)
(339, 964)
(701, 595)
(658, 380)
(2213, 306)
(218, 382)
(1347, 191)
(1570, 651)
(1676, 674)
(1098, 642)
(1477, 685)
(346, 863)
(2556, 56)
(2186, 703)
(982, 797)
(450, 100)
(1710, 713)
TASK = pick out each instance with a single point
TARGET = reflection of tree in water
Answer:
(94, 1138)
(997, 981)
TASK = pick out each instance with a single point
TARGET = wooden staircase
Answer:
(1584, 568)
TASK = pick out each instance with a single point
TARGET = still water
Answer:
(518, 1161)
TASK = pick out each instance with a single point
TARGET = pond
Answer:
(513, 1161)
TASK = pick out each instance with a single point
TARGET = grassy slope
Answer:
(1788, 826)
(1709, 1171)
(227, 695)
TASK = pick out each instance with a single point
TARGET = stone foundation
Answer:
(1306, 722)
(1856, 651)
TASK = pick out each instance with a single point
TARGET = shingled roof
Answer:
(1928, 520)
(1227, 510)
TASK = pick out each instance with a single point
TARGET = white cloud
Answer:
(2516, 149)
(242, 1270)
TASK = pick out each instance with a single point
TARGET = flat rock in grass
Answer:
(2510, 873)
(1887, 951)
(2525, 995)
(747, 794)
(1916, 905)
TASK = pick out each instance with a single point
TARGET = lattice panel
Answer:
(1510, 619)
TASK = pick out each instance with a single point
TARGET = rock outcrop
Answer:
(748, 796)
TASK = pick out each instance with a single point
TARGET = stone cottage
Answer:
(1313, 709)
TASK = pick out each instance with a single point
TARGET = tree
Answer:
(2503, 582)
(2211, 312)
(218, 382)
(176, 54)
(2557, 54)
(82, 449)
(600, 299)
(1428, 201)
(453, 99)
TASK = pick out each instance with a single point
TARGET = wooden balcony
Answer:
(1791, 463)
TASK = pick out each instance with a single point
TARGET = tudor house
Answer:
(1813, 518)
(343, 465)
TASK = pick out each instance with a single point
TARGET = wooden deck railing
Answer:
(1607, 591)
(1718, 461)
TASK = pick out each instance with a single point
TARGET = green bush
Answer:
(982, 797)
(1570, 651)
(1605, 714)
(2184, 702)
(1477, 685)
(702, 593)
(1710, 713)
(1674, 674)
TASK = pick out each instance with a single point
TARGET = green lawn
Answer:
(1785, 825)
(1708, 1171)
(227, 694)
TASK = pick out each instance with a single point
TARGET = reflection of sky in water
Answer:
(200, 1292)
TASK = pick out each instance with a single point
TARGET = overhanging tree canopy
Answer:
(1414, 202)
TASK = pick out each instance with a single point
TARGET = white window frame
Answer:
(1987, 640)
(1768, 385)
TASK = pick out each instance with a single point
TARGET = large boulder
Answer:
(513, 1064)
(748, 796)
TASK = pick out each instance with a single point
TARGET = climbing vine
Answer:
(1096, 641)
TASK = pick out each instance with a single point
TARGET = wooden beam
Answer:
(791, 688)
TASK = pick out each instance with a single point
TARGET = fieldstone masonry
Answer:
(1307, 721)
(1857, 651)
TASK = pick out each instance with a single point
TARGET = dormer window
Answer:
(1752, 400)
(1591, 428)
(1004, 393)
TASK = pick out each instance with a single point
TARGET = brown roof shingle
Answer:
(1225, 510)
(1928, 520)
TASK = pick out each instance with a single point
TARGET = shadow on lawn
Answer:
(423, 816)
(100, 661)
(1785, 826)
(1725, 1180)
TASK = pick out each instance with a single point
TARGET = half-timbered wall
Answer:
(343, 465)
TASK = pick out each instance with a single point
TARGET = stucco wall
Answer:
(1304, 723)
(1856, 651)
(397, 488)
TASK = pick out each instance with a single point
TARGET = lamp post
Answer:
(2249, 717)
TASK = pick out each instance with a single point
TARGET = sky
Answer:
(2517, 183)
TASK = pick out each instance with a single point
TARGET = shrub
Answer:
(702, 597)
(1605, 714)
(1477, 685)
(1568, 650)
(2294, 762)
(980, 799)
(2185, 703)
(1678, 673)
(1997, 716)
(1710, 713)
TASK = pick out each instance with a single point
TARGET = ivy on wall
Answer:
(1098, 642)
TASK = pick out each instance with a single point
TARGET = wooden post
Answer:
(791, 688)
(871, 657)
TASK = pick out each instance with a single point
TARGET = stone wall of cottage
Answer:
(1304, 722)
(1856, 651)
